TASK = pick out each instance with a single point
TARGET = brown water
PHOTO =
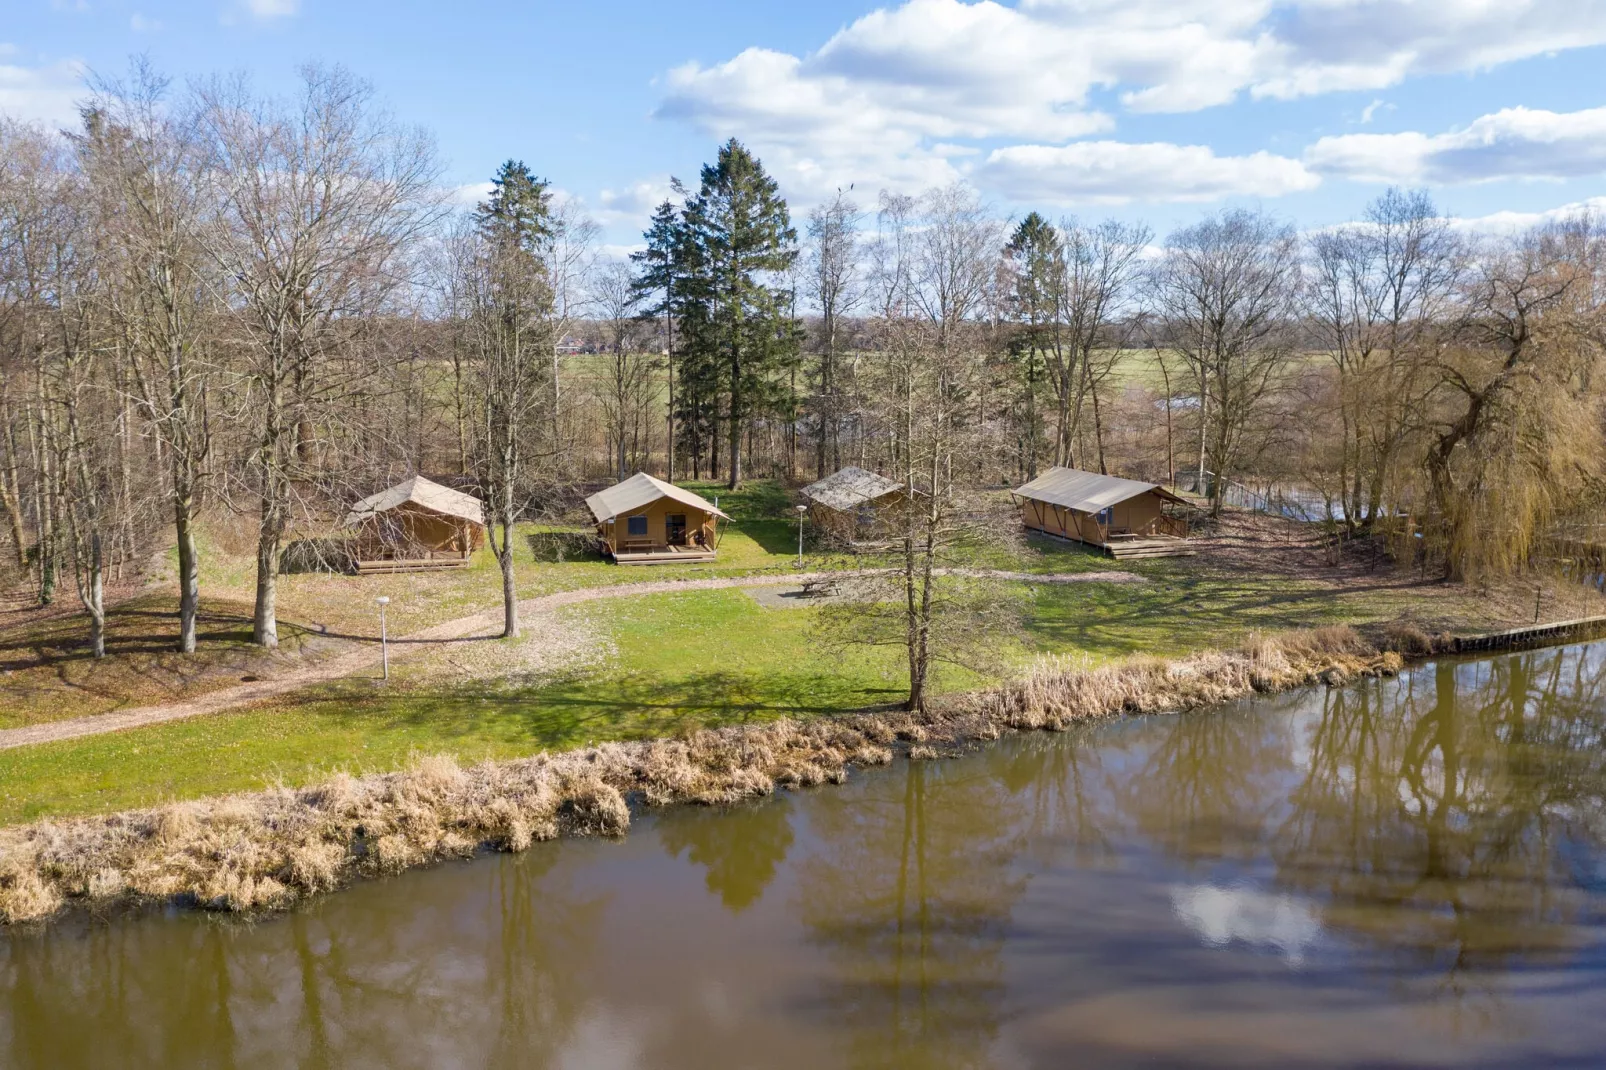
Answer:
(1412, 872)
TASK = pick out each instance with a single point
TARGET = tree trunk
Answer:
(510, 597)
(189, 583)
(95, 596)
(736, 423)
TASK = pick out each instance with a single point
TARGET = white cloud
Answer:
(47, 94)
(140, 24)
(1513, 143)
(1517, 222)
(634, 204)
(893, 97)
(272, 9)
(1112, 172)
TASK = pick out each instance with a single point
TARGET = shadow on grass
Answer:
(1180, 610)
(598, 709)
(140, 627)
(772, 536)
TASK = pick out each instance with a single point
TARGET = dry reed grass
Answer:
(267, 850)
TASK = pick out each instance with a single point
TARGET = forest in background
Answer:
(213, 300)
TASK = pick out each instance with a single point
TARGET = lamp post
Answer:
(384, 640)
(802, 515)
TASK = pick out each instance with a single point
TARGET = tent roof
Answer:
(850, 488)
(1087, 492)
(421, 492)
(639, 490)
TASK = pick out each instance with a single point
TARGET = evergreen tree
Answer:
(737, 312)
(1034, 256)
(661, 266)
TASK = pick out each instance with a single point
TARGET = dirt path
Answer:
(480, 625)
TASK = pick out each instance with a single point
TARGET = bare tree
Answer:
(924, 386)
(1378, 295)
(319, 200)
(834, 286)
(142, 158)
(1101, 272)
(1225, 296)
(625, 386)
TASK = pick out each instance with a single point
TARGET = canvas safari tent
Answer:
(849, 504)
(645, 521)
(416, 525)
(1126, 517)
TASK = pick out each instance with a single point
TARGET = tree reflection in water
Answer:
(412, 973)
(739, 848)
(1443, 818)
(911, 895)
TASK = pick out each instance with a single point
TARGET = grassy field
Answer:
(644, 666)
(673, 662)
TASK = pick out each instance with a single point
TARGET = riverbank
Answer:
(267, 850)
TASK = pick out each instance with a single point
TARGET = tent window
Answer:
(636, 525)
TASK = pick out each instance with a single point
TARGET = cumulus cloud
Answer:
(1113, 172)
(47, 94)
(1515, 143)
(894, 97)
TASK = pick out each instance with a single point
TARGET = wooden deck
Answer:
(662, 555)
(384, 565)
(1134, 547)
(1128, 547)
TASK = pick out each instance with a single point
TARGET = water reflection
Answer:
(1410, 870)
(911, 896)
(740, 856)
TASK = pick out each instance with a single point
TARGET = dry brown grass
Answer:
(266, 850)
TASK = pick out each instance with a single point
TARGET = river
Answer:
(1408, 872)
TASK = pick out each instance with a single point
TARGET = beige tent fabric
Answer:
(850, 488)
(421, 492)
(639, 490)
(1087, 492)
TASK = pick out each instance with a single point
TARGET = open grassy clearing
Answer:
(46, 673)
(658, 665)
(638, 667)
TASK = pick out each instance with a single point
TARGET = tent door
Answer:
(675, 525)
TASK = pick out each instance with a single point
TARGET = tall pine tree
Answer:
(737, 309)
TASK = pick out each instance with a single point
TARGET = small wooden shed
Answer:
(1125, 517)
(849, 504)
(645, 521)
(416, 525)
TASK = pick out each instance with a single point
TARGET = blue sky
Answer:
(1154, 109)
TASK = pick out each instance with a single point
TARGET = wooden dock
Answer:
(1564, 631)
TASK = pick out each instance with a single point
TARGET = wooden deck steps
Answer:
(1136, 549)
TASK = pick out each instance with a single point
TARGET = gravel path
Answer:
(478, 626)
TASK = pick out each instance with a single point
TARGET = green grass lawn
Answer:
(677, 661)
(681, 660)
